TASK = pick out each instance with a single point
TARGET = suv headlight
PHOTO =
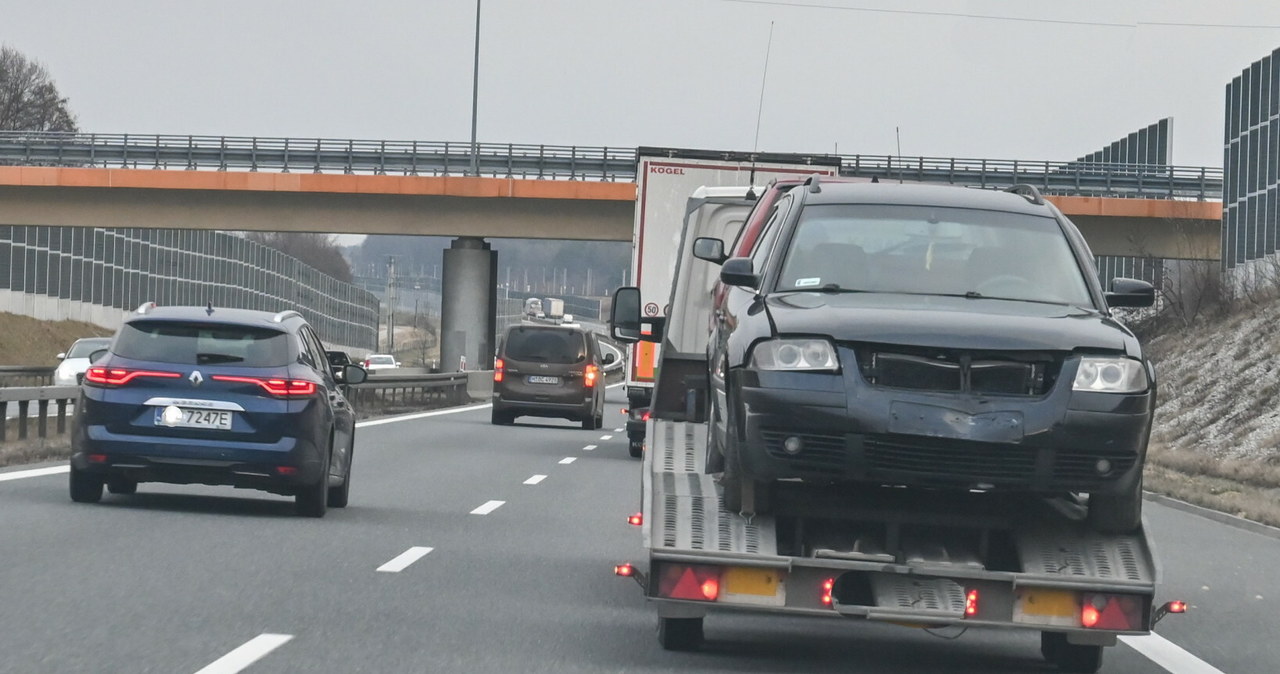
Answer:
(812, 355)
(1110, 375)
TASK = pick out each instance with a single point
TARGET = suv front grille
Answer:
(951, 371)
(954, 460)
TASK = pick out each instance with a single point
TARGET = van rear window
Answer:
(542, 345)
(203, 344)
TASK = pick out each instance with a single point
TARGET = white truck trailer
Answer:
(930, 559)
(666, 178)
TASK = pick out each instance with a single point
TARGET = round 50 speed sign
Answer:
(651, 309)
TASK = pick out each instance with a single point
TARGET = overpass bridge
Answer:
(515, 191)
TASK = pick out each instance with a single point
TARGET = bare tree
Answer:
(29, 100)
(317, 250)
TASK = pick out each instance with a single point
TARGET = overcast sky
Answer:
(1014, 79)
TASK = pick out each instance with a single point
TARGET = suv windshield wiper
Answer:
(207, 358)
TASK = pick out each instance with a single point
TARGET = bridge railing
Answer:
(565, 162)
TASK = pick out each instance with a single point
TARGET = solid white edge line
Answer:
(568, 460)
(1169, 655)
(535, 479)
(488, 508)
(248, 653)
(34, 472)
(402, 561)
(422, 415)
(588, 448)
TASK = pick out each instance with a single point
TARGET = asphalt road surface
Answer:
(474, 548)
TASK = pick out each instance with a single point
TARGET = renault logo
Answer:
(196, 378)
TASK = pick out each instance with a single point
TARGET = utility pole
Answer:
(475, 97)
(391, 304)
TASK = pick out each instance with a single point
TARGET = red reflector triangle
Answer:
(688, 587)
(1113, 617)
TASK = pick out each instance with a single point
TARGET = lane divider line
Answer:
(248, 653)
(606, 437)
(535, 479)
(588, 448)
(619, 430)
(1169, 655)
(34, 472)
(402, 561)
(422, 415)
(568, 460)
(488, 508)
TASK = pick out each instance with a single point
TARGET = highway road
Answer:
(474, 548)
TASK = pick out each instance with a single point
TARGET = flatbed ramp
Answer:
(926, 557)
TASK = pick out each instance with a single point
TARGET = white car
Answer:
(380, 361)
(76, 360)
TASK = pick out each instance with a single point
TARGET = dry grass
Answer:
(1241, 487)
(28, 341)
(16, 453)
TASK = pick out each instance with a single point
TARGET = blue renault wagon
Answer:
(204, 395)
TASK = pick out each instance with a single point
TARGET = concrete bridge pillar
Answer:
(468, 304)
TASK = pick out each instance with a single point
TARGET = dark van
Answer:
(549, 371)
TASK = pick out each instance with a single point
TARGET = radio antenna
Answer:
(755, 146)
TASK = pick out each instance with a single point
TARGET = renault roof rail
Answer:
(1029, 191)
(812, 183)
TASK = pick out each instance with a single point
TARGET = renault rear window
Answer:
(203, 344)
(542, 345)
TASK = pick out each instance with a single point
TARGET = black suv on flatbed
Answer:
(927, 336)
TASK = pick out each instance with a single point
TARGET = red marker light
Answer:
(623, 570)
(645, 417)
(827, 586)
(98, 458)
(1089, 616)
(971, 603)
(711, 588)
(624, 410)
(636, 519)
(1177, 607)
(287, 470)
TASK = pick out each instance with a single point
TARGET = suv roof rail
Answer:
(146, 307)
(1029, 191)
(288, 313)
(812, 183)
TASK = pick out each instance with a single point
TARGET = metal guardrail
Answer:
(382, 391)
(568, 162)
(60, 396)
(26, 375)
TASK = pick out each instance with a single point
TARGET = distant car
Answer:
(76, 360)
(380, 361)
(549, 371)
(189, 395)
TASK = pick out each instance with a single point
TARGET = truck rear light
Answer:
(1177, 607)
(636, 519)
(623, 570)
(828, 586)
(115, 376)
(498, 369)
(1110, 611)
(589, 376)
(971, 603)
(693, 582)
(281, 388)
(645, 416)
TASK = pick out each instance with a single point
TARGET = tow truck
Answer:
(924, 558)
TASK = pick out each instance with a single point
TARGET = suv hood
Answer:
(948, 322)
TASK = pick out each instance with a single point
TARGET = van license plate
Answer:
(539, 379)
(184, 417)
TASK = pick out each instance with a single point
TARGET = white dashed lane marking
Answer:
(488, 508)
(619, 430)
(588, 448)
(248, 653)
(404, 559)
(535, 479)
(606, 437)
(568, 460)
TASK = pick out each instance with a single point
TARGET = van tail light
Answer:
(690, 581)
(498, 369)
(589, 376)
(280, 388)
(115, 376)
(1111, 612)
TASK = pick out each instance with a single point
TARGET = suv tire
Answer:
(85, 487)
(339, 495)
(1117, 513)
(312, 499)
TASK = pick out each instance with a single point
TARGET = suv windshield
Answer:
(544, 345)
(203, 344)
(933, 251)
(83, 347)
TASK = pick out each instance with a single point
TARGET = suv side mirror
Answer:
(738, 271)
(353, 374)
(709, 249)
(1131, 292)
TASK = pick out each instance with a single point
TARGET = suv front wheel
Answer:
(1119, 513)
